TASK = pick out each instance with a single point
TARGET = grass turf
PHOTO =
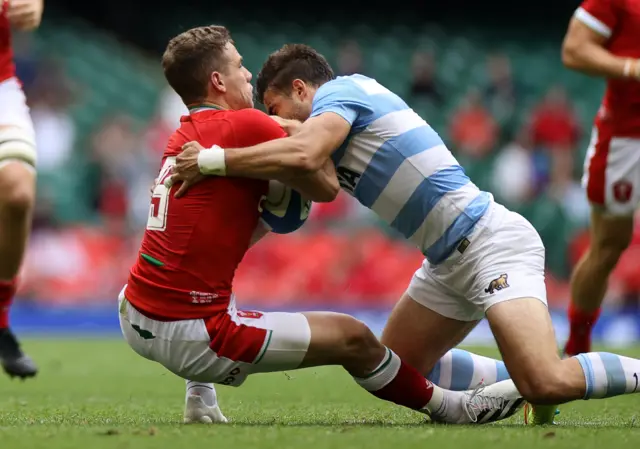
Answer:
(99, 394)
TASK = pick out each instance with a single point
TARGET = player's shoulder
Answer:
(345, 85)
(253, 126)
(250, 116)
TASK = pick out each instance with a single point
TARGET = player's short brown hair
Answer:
(191, 57)
(293, 61)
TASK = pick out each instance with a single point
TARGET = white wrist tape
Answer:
(211, 161)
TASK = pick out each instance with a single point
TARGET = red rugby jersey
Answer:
(619, 22)
(7, 69)
(193, 245)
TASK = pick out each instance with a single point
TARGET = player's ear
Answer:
(299, 88)
(218, 82)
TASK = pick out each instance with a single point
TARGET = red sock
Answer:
(7, 290)
(397, 382)
(580, 326)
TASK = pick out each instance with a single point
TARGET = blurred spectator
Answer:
(513, 177)
(565, 189)
(122, 170)
(501, 93)
(50, 98)
(350, 59)
(165, 121)
(473, 130)
(554, 125)
(26, 59)
(423, 83)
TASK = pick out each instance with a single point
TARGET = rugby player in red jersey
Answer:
(178, 308)
(604, 40)
(17, 177)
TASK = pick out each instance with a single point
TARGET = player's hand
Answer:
(25, 15)
(291, 127)
(186, 169)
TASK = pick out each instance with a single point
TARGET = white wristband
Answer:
(211, 161)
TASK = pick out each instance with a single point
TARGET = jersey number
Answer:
(157, 220)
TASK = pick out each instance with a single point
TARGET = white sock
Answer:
(460, 370)
(206, 391)
(608, 375)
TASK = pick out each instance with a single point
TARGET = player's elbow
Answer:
(571, 55)
(327, 194)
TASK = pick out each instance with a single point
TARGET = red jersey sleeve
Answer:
(252, 127)
(602, 16)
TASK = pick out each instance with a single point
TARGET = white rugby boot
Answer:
(197, 412)
(479, 406)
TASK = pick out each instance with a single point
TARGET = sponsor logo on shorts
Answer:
(249, 314)
(622, 191)
(500, 283)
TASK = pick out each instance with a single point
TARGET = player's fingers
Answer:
(17, 11)
(188, 145)
(169, 181)
(182, 189)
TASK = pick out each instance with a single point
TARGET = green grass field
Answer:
(99, 394)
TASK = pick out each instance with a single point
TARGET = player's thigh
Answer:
(429, 320)
(526, 339)
(17, 136)
(612, 173)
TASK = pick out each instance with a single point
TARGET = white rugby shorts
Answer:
(13, 106)
(224, 348)
(612, 172)
(502, 259)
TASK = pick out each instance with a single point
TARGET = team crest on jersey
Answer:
(500, 283)
(622, 191)
(249, 314)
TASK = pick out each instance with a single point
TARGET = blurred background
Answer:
(488, 78)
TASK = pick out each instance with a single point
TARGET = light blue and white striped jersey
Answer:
(395, 164)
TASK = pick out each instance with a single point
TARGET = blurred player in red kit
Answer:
(178, 308)
(17, 176)
(604, 40)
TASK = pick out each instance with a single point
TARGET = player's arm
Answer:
(336, 106)
(584, 49)
(321, 186)
(303, 153)
(317, 185)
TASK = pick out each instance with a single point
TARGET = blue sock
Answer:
(461, 370)
(609, 374)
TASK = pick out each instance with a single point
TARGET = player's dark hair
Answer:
(293, 61)
(191, 57)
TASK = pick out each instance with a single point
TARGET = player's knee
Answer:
(17, 189)
(542, 386)
(358, 342)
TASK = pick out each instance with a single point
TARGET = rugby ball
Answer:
(283, 209)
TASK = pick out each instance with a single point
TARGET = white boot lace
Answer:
(476, 402)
